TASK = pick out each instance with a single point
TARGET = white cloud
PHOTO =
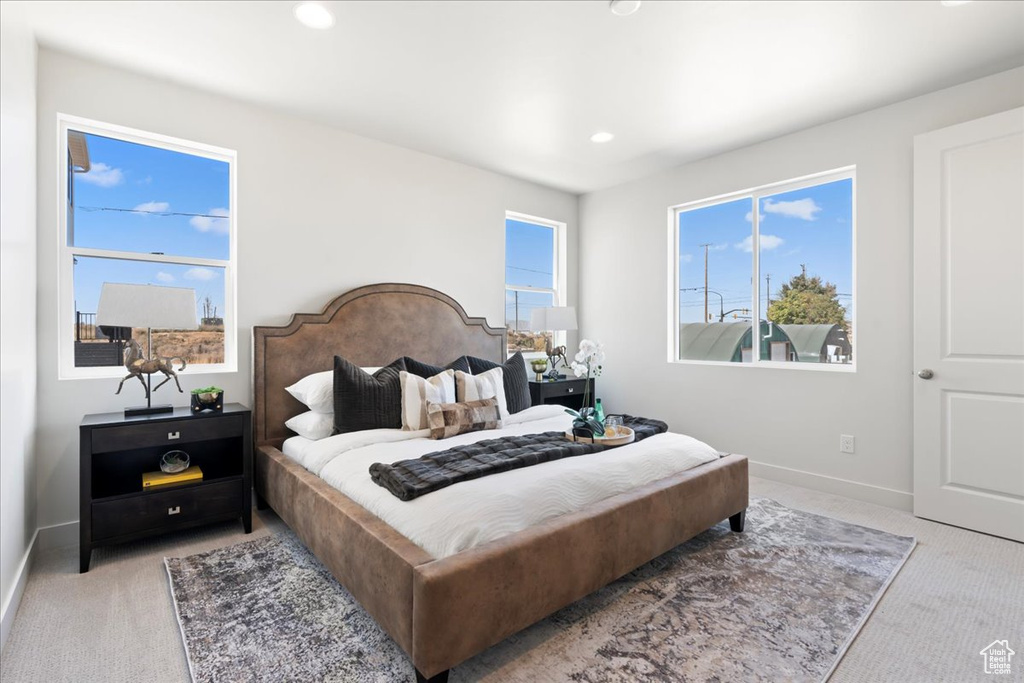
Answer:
(153, 207)
(749, 217)
(218, 223)
(164, 277)
(686, 258)
(768, 242)
(102, 175)
(805, 209)
(199, 273)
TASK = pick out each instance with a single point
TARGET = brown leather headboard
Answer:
(370, 326)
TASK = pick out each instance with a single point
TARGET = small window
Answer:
(143, 209)
(534, 278)
(766, 276)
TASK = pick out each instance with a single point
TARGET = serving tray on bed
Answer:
(624, 435)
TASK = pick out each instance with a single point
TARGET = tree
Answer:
(808, 300)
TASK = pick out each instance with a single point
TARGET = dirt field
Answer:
(196, 347)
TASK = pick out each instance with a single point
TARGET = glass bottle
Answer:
(598, 411)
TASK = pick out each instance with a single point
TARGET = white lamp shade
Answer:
(556, 318)
(166, 308)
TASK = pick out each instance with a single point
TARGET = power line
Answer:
(151, 213)
(528, 270)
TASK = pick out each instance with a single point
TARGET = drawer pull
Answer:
(571, 389)
(171, 436)
(174, 510)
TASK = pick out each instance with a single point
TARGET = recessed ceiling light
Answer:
(953, 3)
(603, 136)
(314, 15)
(623, 8)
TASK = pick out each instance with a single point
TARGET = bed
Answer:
(442, 610)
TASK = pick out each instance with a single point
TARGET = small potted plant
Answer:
(539, 365)
(209, 398)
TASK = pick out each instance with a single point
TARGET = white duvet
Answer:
(472, 513)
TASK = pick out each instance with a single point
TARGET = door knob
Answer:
(926, 374)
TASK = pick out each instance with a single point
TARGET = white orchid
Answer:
(589, 359)
(588, 363)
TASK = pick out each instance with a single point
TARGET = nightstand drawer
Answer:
(143, 435)
(565, 388)
(133, 514)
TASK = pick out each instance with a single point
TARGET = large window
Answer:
(766, 276)
(144, 209)
(534, 277)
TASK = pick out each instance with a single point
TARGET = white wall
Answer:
(17, 304)
(320, 211)
(785, 418)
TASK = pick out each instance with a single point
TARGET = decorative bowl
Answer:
(174, 461)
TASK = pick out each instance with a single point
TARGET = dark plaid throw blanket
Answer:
(408, 479)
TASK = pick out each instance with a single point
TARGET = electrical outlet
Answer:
(846, 444)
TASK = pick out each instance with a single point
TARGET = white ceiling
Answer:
(519, 87)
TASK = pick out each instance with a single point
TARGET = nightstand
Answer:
(567, 392)
(115, 451)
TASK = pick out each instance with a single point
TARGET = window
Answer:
(534, 277)
(774, 264)
(144, 209)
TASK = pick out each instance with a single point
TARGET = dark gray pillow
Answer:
(426, 370)
(363, 401)
(517, 383)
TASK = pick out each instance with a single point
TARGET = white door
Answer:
(969, 325)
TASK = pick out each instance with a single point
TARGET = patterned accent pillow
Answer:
(517, 382)
(451, 419)
(364, 401)
(418, 391)
(478, 387)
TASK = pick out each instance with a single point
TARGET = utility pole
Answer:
(768, 279)
(706, 246)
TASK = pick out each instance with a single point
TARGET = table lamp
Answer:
(553, 319)
(149, 306)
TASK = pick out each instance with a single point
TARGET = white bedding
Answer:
(475, 512)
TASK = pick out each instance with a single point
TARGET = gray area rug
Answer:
(780, 602)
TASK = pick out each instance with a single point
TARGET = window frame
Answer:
(558, 271)
(67, 252)
(755, 195)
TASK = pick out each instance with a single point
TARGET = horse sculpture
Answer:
(138, 365)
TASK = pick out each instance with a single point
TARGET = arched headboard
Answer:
(370, 326)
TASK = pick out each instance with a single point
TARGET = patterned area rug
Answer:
(781, 601)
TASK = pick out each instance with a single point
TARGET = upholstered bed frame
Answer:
(442, 612)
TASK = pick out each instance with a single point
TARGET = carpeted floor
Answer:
(958, 592)
(777, 603)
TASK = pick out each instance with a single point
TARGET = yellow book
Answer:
(152, 480)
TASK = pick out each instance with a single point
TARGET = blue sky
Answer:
(529, 261)
(811, 226)
(151, 183)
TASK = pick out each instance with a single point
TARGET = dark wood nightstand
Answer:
(115, 451)
(567, 392)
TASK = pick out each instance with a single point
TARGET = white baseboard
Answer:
(58, 536)
(13, 600)
(45, 538)
(869, 493)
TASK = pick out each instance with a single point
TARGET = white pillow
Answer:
(418, 391)
(316, 391)
(312, 425)
(490, 384)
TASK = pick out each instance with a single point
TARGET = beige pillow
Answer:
(450, 419)
(418, 391)
(490, 384)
